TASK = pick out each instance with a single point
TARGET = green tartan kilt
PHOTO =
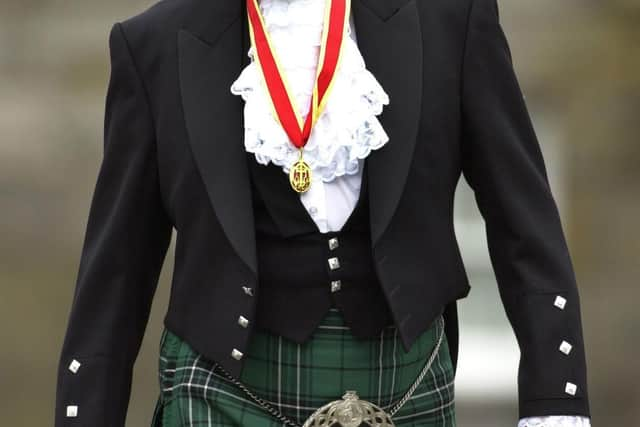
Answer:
(299, 378)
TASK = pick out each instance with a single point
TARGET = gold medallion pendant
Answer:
(285, 109)
(300, 175)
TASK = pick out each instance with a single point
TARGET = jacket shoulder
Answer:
(157, 21)
(447, 11)
(158, 24)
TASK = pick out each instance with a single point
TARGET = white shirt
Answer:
(294, 27)
(331, 203)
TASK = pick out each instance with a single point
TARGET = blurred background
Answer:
(579, 66)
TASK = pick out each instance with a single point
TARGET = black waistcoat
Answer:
(295, 275)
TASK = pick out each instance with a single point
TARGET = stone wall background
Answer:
(579, 67)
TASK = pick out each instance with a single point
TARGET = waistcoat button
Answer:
(335, 285)
(334, 263)
(236, 354)
(247, 290)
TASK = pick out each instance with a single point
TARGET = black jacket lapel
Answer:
(214, 122)
(390, 40)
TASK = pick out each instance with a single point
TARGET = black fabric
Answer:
(174, 159)
(294, 274)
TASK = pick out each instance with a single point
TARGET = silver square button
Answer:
(74, 366)
(570, 388)
(333, 243)
(560, 302)
(565, 347)
(236, 354)
(72, 411)
(334, 263)
(243, 321)
(335, 285)
(247, 290)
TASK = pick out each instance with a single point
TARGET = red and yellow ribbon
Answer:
(336, 20)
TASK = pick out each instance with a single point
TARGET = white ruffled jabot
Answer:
(347, 130)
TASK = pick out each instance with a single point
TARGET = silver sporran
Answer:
(349, 412)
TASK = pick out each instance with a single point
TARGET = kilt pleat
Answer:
(298, 378)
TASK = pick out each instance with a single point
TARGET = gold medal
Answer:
(336, 22)
(300, 175)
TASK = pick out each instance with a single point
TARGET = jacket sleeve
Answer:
(503, 164)
(126, 241)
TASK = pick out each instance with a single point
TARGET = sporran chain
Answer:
(287, 421)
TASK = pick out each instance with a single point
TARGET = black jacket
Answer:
(174, 158)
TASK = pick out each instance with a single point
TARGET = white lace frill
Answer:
(556, 421)
(347, 129)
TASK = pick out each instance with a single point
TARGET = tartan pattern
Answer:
(299, 378)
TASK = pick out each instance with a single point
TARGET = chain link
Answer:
(273, 411)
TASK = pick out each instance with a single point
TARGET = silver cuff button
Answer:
(560, 302)
(236, 354)
(74, 366)
(565, 347)
(247, 290)
(72, 411)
